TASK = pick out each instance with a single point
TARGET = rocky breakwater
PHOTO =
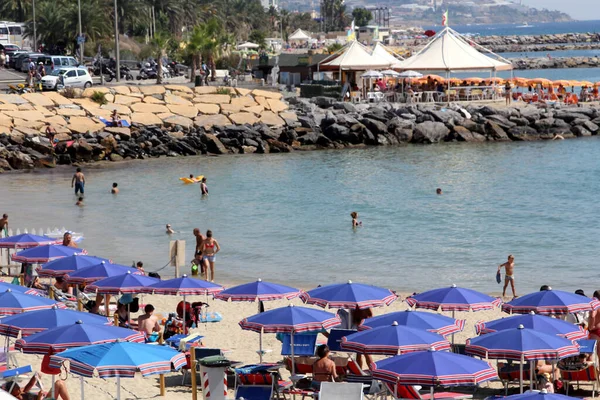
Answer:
(336, 124)
(560, 41)
(556, 62)
(168, 120)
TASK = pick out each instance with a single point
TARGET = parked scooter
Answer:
(147, 72)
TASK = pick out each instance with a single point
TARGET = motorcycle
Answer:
(147, 72)
(126, 73)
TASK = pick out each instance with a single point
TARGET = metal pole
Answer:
(34, 28)
(80, 33)
(117, 50)
(193, 372)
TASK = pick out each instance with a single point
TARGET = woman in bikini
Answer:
(323, 368)
(210, 248)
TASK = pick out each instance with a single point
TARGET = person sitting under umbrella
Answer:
(323, 368)
(60, 390)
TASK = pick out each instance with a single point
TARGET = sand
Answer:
(226, 335)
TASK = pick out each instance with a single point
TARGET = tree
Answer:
(208, 41)
(362, 16)
(334, 15)
(259, 38)
(159, 44)
(15, 10)
(334, 47)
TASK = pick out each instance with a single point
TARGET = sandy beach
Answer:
(226, 335)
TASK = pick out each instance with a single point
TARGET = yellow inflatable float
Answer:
(192, 180)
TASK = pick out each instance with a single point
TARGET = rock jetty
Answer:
(507, 43)
(555, 62)
(172, 121)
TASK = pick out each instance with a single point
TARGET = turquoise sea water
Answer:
(287, 217)
(534, 28)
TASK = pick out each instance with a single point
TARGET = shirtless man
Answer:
(169, 230)
(78, 181)
(148, 323)
(68, 240)
(509, 277)
(198, 252)
(114, 189)
(203, 187)
(4, 224)
(594, 322)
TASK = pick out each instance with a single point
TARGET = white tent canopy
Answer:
(449, 51)
(248, 45)
(299, 35)
(381, 51)
(355, 57)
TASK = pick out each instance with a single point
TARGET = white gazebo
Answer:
(449, 51)
(299, 36)
(387, 54)
(354, 57)
(248, 45)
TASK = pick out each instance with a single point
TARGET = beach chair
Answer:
(581, 372)
(304, 345)
(509, 373)
(451, 95)
(200, 353)
(371, 387)
(254, 392)
(475, 94)
(341, 391)
(335, 338)
(404, 392)
(10, 376)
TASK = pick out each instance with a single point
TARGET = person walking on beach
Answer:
(210, 248)
(78, 182)
(509, 276)
(4, 224)
(508, 92)
(203, 187)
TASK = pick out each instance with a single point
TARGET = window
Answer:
(71, 74)
(81, 72)
(64, 61)
(3, 30)
(73, 62)
(15, 30)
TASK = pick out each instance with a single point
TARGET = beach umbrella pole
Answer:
(530, 375)
(293, 361)
(81, 382)
(521, 373)
(431, 393)
(184, 310)
(260, 347)
(118, 388)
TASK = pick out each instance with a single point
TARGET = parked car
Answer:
(52, 63)
(13, 56)
(9, 48)
(67, 76)
(23, 58)
(25, 61)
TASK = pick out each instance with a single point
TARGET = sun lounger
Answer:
(404, 392)
(341, 391)
(335, 338)
(304, 345)
(371, 387)
(581, 371)
(11, 376)
(124, 123)
(510, 373)
(254, 392)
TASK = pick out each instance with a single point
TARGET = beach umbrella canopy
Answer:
(585, 83)
(75, 335)
(541, 395)
(410, 74)
(474, 79)
(121, 284)
(574, 83)
(349, 295)
(434, 78)
(184, 286)
(45, 253)
(539, 323)
(436, 323)
(390, 72)
(26, 240)
(37, 321)
(453, 298)
(393, 339)
(521, 344)
(99, 271)
(562, 82)
(496, 79)
(551, 302)
(15, 303)
(540, 81)
(372, 75)
(429, 368)
(69, 264)
(248, 45)
(120, 359)
(258, 290)
(4, 286)
(290, 319)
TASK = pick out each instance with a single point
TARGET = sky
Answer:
(577, 9)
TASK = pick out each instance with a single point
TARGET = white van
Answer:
(53, 63)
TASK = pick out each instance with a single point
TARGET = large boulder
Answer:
(243, 118)
(18, 160)
(183, 110)
(208, 121)
(495, 132)
(204, 108)
(430, 132)
(462, 134)
(213, 99)
(270, 118)
(375, 126)
(142, 118)
(579, 131)
(523, 133)
(84, 124)
(149, 108)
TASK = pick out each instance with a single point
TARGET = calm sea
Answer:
(287, 217)
(533, 28)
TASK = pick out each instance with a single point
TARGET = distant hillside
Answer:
(427, 12)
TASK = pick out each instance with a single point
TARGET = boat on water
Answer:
(525, 25)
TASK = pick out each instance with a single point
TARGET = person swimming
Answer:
(114, 189)
(203, 187)
(169, 230)
(79, 202)
(438, 190)
(355, 222)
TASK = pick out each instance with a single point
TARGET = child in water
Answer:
(79, 202)
(355, 222)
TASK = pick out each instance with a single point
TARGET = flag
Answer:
(445, 18)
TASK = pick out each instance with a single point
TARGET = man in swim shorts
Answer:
(509, 276)
(198, 251)
(78, 181)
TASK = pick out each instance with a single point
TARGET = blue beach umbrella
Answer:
(99, 271)
(551, 302)
(541, 395)
(15, 303)
(436, 323)
(119, 359)
(4, 286)
(453, 298)
(536, 322)
(258, 290)
(393, 339)
(37, 321)
(121, 284)
(291, 320)
(183, 286)
(69, 264)
(521, 344)
(75, 335)
(26, 240)
(431, 368)
(349, 295)
(45, 253)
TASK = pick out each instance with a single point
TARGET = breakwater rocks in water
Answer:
(235, 127)
(556, 62)
(506, 43)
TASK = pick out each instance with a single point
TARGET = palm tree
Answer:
(159, 44)
(15, 10)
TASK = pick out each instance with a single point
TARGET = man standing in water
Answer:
(509, 276)
(4, 224)
(78, 181)
(198, 251)
(203, 187)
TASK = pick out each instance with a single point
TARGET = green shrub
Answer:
(99, 97)
(224, 91)
(70, 92)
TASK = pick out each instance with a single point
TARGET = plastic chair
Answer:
(341, 391)
(254, 392)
